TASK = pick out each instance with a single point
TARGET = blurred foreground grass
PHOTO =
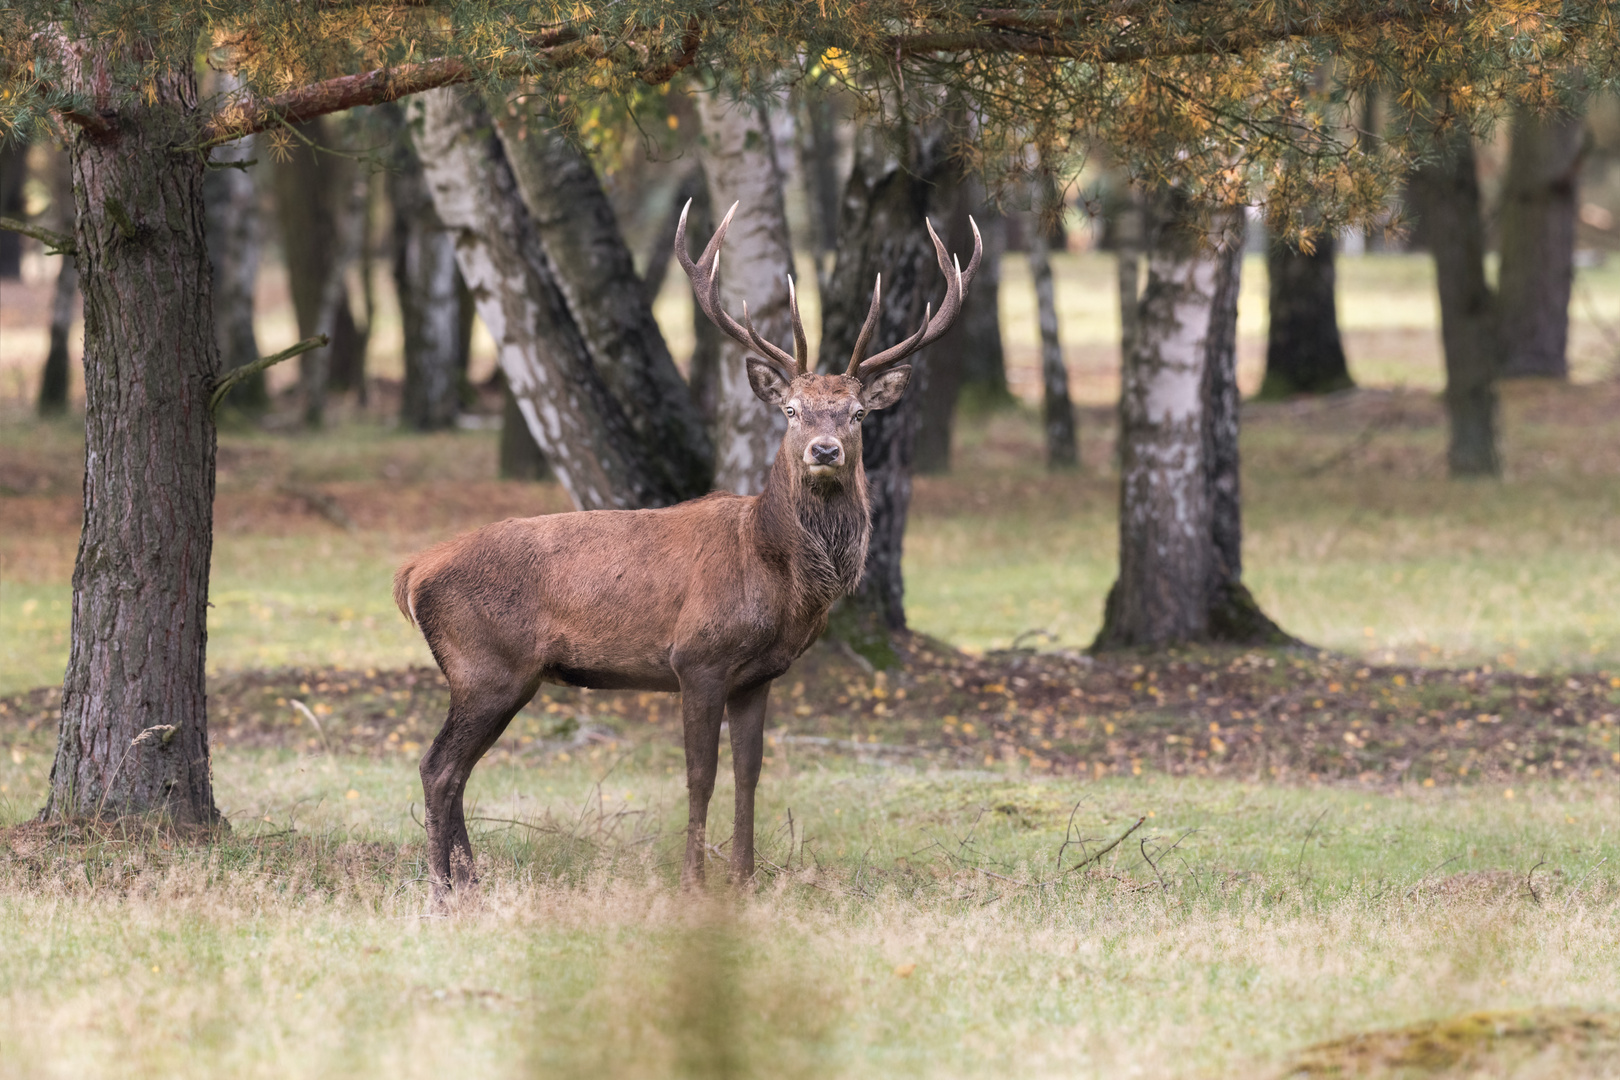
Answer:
(897, 933)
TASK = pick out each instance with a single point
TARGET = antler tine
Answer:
(771, 352)
(950, 309)
(801, 344)
(705, 277)
(867, 328)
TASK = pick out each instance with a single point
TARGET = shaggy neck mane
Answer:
(818, 528)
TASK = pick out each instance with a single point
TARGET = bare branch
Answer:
(55, 243)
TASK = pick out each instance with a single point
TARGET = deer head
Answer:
(824, 412)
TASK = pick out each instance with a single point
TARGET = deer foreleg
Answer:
(746, 711)
(702, 707)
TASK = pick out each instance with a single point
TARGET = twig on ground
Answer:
(1530, 881)
(1431, 873)
(1308, 833)
(309, 714)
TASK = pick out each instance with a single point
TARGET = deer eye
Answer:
(859, 414)
(791, 411)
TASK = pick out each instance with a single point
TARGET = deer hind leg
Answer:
(746, 711)
(703, 702)
(478, 716)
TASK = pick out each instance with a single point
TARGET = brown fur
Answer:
(715, 598)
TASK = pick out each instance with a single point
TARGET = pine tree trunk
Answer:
(53, 384)
(575, 420)
(1057, 411)
(740, 162)
(133, 734)
(822, 189)
(1165, 525)
(595, 272)
(1447, 193)
(234, 243)
(520, 456)
(1538, 243)
(882, 231)
(1304, 354)
(974, 343)
(984, 361)
(428, 285)
(312, 192)
(13, 172)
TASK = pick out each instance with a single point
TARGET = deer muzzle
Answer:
(824, 455)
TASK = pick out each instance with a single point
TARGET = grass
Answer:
(895, 945)
(915, 917)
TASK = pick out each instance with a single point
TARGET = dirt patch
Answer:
(1244, 714)
(1481, 1043)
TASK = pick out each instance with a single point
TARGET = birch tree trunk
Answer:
(235, 239)
(882, 231)
(594, 270)
(1538, 243)
(133, 734)
(1057, 410)
(429, 288)
(740, 162)
(984, 360)
(1234, 614)
(1447, 193)
(576, 421)
(1165, 555)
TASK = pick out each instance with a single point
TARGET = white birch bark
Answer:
(1165, 539)
(573, 418)
(741, 163)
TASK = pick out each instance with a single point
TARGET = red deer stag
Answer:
(714, 597)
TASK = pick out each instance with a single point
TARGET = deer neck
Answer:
(817, 529)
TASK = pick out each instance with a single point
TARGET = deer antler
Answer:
(705, 275)
(933, 326)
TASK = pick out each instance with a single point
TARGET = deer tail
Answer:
(402, 592)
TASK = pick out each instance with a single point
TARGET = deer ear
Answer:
(768, 383)
(887, 388)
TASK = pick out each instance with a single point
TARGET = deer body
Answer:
(715, 597)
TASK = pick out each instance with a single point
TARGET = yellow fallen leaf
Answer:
(905, 970)
(351, 794)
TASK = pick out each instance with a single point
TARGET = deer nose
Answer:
(825, 452)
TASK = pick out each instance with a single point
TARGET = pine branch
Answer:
(55, 243)
(559, 48)
(1037, 34)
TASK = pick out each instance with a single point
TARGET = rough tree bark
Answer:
(53, 383)
(1057, 410)
(13, 171)
(1180, 518)
(984, 361)
(972, 350)
(133, 734)
(1164, 509)
(882, 231)
(428, 285)
(1447, 193)
(820, 161)
(740, 162)
(235, 238)
(595, 272)
(576, 421)
(1304, 354)
(520, 456)
(312, 192)
(1235, 616)
(1538, 243)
